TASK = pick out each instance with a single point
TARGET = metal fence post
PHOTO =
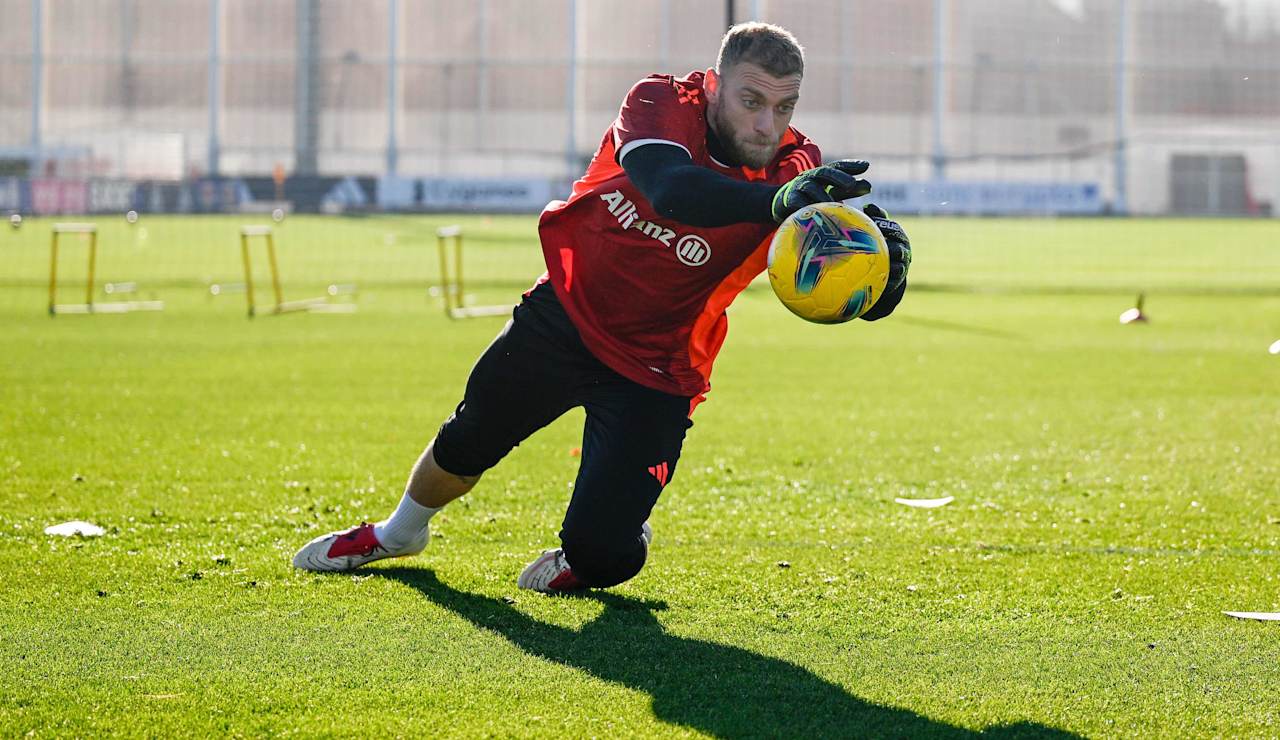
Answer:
(1121, 204)
(37, 74)
(393, 51)
(307, 89)
(482, 74)
(940, 8)
(215, 85)
(571, 141)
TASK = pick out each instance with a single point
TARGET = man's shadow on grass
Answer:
(718, 689)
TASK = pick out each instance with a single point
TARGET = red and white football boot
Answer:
(551, 573)
(348, 550)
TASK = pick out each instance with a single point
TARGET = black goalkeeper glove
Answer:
(899, 246)
(830, 182)
(899, 263)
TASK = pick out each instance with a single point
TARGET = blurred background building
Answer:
(1165, 106)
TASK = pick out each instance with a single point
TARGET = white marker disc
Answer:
(925, 503)
(71, 529)
(1260, 616)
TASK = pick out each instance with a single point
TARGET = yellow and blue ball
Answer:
(828, 263)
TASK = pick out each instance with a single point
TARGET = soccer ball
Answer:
(828, 263)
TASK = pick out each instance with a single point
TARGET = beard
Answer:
(750, 153)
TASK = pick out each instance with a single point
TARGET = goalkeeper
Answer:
(670, 222)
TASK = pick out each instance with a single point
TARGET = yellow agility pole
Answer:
(89, 306)
(315, 305)
(451, 287)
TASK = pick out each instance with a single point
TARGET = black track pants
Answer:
(533, 372)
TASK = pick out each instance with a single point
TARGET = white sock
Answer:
(406, 524)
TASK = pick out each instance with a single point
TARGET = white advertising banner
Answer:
(456, 194)
(987, 198)
(110, 196)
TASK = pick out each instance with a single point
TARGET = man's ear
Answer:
(711, 83)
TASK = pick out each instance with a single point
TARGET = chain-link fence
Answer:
(1164, 106)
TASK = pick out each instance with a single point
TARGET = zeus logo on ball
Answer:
(690, 249)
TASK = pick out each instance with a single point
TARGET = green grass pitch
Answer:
(1115, 490)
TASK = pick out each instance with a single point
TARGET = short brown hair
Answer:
(772, 47)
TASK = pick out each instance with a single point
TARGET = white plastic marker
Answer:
(72, 529)
(925, 503)
(1275, 347)
(1260, 616)
(1135, 314)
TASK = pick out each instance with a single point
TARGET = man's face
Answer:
(749, 110)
